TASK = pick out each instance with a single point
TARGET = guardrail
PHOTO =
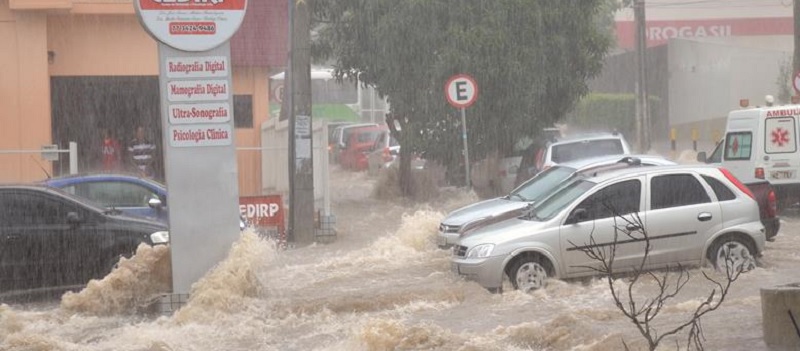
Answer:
(50, 153)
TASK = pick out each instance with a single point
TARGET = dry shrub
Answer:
(425, 183)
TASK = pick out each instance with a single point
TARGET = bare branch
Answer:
(669, 283)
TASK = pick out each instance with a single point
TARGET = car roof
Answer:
(99, 177)
(637, 171)
(597, 161)
(587, 137)
(357, 125)
(55, 191)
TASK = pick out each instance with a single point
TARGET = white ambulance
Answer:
(762, 143)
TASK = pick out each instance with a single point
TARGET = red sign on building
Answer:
(659, 32)
(266, 216)
(264, 211)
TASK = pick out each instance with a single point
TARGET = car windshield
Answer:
(585, 149)
(716, 156)
(542, 184)
(566, 195)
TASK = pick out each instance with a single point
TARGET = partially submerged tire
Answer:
(529, 273)
(733, 253)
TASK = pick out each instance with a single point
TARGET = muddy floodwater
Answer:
(382, 285)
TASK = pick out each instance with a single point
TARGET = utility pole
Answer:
(642, 110)
(298, 82)
(796, 61)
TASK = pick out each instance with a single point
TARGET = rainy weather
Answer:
(465, 175)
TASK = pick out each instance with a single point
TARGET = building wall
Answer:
(86, 38)
(24, 93)
(253, 81)
(708, 79)
(710, 9)
(100, 45)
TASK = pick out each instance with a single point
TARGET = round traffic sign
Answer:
(796, 82)
(461, 91)
(277, 93)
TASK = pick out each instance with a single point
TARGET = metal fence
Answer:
(51, 153)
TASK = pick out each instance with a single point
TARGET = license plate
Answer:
(454, 268)
(781, 174)
(441, 240)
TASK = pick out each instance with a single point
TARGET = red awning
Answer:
(261, 40)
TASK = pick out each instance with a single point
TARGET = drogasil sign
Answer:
(659, 32)
(191, 25)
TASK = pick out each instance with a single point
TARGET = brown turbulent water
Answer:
(383, 285)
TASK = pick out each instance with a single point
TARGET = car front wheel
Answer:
(529, 273)
(733, 254)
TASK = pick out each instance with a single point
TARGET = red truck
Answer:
(767, 205)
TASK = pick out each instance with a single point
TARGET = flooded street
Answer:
(382, 285)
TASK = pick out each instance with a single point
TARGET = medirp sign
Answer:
(191, 25)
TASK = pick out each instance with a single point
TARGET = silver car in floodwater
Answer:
(692, 214)
(537, 188)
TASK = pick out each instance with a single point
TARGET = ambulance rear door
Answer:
(781, 160)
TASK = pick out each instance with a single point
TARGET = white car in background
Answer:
(537, 188)
(692, 215)
(584, 146)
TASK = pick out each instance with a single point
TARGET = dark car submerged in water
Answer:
(51, 240)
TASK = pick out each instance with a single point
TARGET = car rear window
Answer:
(721, 190)
(364, 137)
(585, 149)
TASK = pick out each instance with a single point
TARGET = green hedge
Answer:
(607, 112)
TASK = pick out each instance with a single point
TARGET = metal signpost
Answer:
(197, 120)
(462, 91)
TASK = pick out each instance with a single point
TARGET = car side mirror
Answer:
(73, 218)
(701, 157)
(155, 203)
(578, 215)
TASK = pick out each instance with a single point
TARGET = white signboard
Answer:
(50, 152)
(197, 67)
(191, 25)
(197, 90)
(200, 135)
(200, 113)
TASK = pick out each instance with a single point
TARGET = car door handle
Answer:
(705, 216)
(632, 227)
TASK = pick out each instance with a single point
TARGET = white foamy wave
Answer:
(228, 287)
(412, 243)
(133, 284)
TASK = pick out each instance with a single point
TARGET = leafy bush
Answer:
(607, 112)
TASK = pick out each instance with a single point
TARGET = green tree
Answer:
(531, 60)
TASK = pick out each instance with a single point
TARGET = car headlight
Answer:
(161, 237)
(480, 251)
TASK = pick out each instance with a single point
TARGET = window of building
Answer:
(243, 111)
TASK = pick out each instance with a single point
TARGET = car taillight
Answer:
(737, 183)
(759, 173)
(772, 204)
